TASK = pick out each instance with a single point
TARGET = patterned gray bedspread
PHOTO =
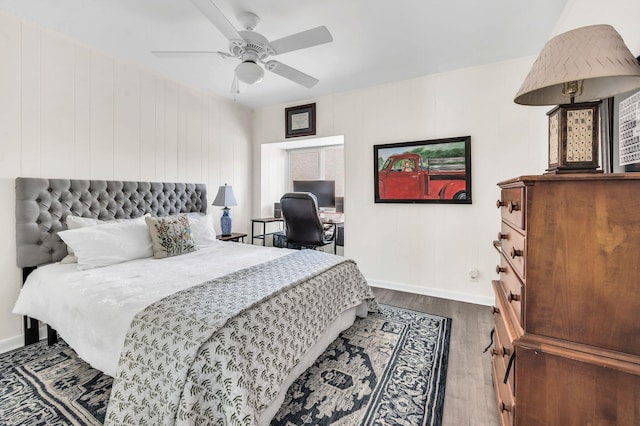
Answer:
(217, 353)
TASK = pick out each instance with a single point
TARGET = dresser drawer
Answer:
(504, 334)
(504, 397)
(512, 206)
(501, 353)
(512, 287)
(513, 245)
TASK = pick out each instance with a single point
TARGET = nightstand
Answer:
(235, 236)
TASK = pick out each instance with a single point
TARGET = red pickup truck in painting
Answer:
(408, 176)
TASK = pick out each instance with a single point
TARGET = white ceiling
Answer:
(374, 41)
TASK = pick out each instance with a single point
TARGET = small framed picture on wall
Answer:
(300, 120)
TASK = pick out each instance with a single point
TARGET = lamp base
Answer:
(225, 222)
(573, 138)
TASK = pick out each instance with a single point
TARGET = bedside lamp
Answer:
(585, 64)
(225, 198)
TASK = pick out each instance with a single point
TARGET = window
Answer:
(325, 163)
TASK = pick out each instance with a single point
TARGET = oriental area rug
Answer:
(387, 369)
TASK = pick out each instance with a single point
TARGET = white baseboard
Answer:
(16, 342)
(435, 292)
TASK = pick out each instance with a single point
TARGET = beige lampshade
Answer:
(594, 56)
(225, 197)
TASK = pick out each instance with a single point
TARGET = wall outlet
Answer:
(473, 274)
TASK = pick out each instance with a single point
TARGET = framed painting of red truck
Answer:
(431, 171)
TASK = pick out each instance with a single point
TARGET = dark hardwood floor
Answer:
(469, 396)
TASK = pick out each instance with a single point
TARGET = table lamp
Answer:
(587, 64)
(225, 198)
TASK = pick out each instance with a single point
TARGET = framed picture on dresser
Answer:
(428, 171)
(625, 129)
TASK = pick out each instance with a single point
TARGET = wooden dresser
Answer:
(566, 347)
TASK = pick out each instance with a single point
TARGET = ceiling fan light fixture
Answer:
(249, 72)
(252, 48)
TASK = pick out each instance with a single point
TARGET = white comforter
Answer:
(108, 298)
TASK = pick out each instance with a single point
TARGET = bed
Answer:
(215, 334)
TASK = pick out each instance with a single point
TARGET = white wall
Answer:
(427, 248)
(67, 111)
(273, 166)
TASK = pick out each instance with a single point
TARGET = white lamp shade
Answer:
(249, 72)
(225, 197)
(595, 54)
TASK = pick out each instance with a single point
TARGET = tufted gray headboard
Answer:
(42, 206)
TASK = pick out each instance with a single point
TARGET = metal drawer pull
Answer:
(504, 407)
(502, 351)
(513, 297)
(515, 252)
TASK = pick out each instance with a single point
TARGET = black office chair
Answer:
(303, 226)
(339, 238)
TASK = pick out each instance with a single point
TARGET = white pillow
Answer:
(76, 222)
(108, 244)
(202, 229)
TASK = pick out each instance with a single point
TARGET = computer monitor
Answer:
(324, 190)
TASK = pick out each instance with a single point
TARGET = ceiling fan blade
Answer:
(291, 73)
(188, 53)
(309, 38)
(213, 14)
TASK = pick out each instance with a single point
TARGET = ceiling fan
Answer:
(253, 48)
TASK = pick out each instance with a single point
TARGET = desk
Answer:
(331, 219)
(337, 222)
(263, 236)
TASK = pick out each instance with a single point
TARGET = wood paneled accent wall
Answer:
(70, 111)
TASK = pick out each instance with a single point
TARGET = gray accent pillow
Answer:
(170, 235)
